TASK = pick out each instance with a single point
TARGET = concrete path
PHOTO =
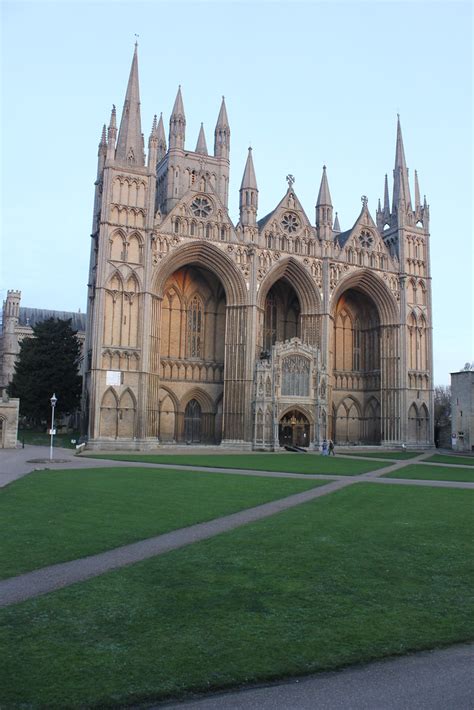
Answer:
(432, 680)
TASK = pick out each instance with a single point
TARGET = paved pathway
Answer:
(48, 579)
(432, 680)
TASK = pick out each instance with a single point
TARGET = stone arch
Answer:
(109, 414)
(371, 434)
(201, 396)
(372, 286)
(413, 423)
(117, 245)
(209, 257)
(127, 408)
(299, 278)
(347, 423)
(168, 411)
(135, 248)
(295, 426)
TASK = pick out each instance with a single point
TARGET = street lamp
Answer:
(53, 401)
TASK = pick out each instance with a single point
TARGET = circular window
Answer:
(290, 222)
(201, 207)
(366, 239)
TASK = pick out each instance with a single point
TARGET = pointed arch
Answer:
(126, 415)
(375, 288)
(109, 414)
(299, 278)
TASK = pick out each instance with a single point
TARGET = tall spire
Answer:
(161, 139)
(177, 123)
(248, 202)
(324, 209)
(130, 138)
(201, 146)
(401, 187)
(222, 133)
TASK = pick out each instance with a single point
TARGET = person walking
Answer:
(324, 448)
(331, 448)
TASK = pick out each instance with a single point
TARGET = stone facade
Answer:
(9, 413)
(462, 410)
(17, 324)
(269, 332)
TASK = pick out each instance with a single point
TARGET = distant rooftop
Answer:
(33, 316)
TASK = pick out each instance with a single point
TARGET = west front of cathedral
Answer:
(273, 332)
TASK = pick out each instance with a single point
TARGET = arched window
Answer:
(195, 328)
(270, 327)
(192, 422)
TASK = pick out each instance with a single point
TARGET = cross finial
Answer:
(290, 180)
(364, 200)
(136, 40)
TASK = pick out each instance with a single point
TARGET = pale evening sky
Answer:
(306, 84)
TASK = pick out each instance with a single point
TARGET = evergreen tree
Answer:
(48, 364)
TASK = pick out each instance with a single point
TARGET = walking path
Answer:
(48, 579)
(431, 680)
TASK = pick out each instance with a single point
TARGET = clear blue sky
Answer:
(306, 84)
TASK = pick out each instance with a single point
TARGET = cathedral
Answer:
(280, 330)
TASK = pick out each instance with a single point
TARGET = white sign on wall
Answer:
(114, 378)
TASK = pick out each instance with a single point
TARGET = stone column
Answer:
(237, 421)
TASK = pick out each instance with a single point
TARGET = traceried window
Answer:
(201, 207)
(290, 222)
(270, 327)
(195, 328)
(366, 239)
(295, 379)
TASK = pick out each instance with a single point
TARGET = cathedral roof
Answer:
(33, 316)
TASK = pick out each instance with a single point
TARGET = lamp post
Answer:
(53, 401)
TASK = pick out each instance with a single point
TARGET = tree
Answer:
(48, 364)
(442, 411)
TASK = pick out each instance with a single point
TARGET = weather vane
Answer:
(290, 179)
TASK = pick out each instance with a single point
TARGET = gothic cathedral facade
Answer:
(271, 332)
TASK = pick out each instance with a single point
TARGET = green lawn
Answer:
(433, 473)
(286, 463)
(54, 516)
(390, 455)
(456, 460)
(367, 572)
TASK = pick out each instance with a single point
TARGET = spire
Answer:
(249, 194)
(401, 187)
(337, 226)
(222, 133)
(130, 139)
(153, 145)
(417, 192)
(177, 123)
(102, 152)
(249, 181)
(386, 202)
(201, 146)
(112, 134)
(103, 137)
(161, 139)
(324, 196)
(324, 209)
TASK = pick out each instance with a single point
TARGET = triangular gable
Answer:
(364, 234)
(288, 217)
(185, 211)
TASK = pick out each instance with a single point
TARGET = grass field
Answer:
(389, 455)
(286, 463)
(453, 460)
(434, 473)
(364, 573)
(54, 516)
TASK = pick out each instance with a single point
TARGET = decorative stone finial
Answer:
(290, 180)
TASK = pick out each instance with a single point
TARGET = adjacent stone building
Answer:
(17, 323)
(462, 410)
(281, 329)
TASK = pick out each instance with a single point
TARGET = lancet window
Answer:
(195, 328)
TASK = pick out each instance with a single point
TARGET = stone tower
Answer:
(270, 332)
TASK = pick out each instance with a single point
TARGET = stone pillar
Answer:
(237, 420)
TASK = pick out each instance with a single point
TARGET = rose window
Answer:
(290, 222)
(366, 239)
(201, 207)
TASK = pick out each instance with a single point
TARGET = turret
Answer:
(10, 345)
(130, 149)
(324, 209)
(248, 204)
(177, 123)
(102, 152)
(222, 134)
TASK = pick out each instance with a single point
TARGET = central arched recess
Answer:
(281, 316)
(356, 367)
(192, 337)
